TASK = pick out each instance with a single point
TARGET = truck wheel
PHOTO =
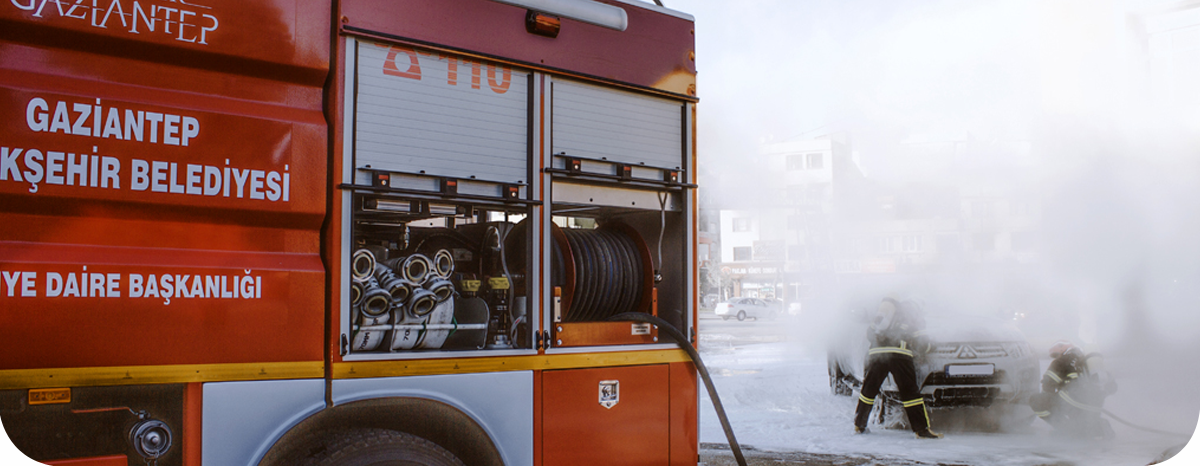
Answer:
(741, 316)
(363, 447)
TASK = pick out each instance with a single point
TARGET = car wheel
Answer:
(741, 316)
(724, 317)
(841, 383)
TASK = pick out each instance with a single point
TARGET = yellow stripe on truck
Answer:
(143, 375)
(398, 368)
(186, 373)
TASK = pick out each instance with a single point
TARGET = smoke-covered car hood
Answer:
(949, 328)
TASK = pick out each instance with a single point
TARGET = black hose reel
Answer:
(602, 272)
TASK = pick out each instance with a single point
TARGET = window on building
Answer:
(815, 161)
(768, 250)
(983, 241)
(887, 244)
(741, 224)
(912, 243)
(742, 253)
(795, 162)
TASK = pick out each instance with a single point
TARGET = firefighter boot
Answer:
(862, 413)
(929, 434)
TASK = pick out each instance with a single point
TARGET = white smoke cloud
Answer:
(1095, 91)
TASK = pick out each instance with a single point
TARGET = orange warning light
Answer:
(542, 24)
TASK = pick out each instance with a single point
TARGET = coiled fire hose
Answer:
(683, 343)
(608, 274)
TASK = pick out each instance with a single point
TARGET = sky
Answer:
(1102, 92)
(883, 70)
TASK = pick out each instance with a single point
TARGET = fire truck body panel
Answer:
(233, 438)
(504, 411)
(186, 190)
(124, 215)
(653, 52)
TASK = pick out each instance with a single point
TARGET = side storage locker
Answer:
(611, 415)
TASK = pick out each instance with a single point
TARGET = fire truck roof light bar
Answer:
(588, 11)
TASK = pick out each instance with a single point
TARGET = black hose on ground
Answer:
(1189, 438)
(682, 341)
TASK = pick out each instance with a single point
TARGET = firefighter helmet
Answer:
(1060, 347)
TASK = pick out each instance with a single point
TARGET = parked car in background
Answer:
(978, 364)
(742, 308)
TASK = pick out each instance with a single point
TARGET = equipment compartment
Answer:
(611, 254)
(437, 275)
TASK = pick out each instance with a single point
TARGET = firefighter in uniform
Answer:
(1072, 396)
(894, 334)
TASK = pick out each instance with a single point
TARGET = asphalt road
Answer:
(744, 332)
(719, 455)
(727, 335)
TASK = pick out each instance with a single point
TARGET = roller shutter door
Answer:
(619, 126)
(440, 114)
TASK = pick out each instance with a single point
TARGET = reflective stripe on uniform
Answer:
(890, 349)
(1086, 407)
(864, 399)
(911, 403)
(1053, 376)
(1073, 375)
(1042, 413)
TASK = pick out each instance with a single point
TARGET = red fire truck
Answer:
(335, 232)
